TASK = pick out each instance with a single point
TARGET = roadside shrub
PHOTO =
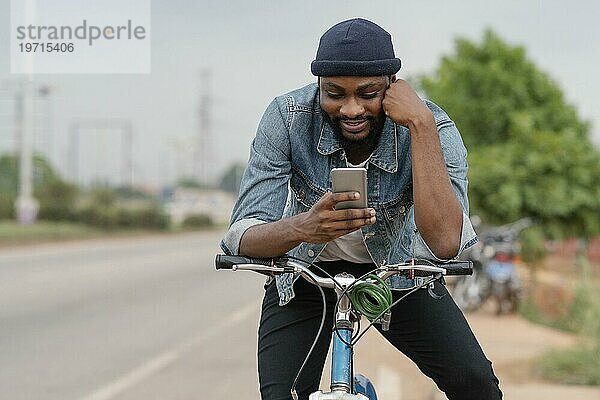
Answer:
(104, 218)
(57, 201)
(533, 244)
(151, 217)
(197, 221)
(113, 217)
(580, 366)
(103, 197)
(126, 218)
(7, 206)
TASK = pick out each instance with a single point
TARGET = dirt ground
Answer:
(509, 341)
(512, 344)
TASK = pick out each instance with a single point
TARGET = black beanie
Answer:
(356, 47)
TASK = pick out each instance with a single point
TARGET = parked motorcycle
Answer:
(494, 271)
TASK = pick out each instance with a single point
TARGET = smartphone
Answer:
(350, 180)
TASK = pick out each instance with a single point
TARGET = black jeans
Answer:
(431, 332)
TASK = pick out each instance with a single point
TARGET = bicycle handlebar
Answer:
(276, 266)
(223, 261)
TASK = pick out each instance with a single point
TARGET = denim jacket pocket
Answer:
(307, 192)
(395, 212)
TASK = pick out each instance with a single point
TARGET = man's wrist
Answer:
(420, 122)
(295, 228)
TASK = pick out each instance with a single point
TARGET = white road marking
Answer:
(389, 384)
(163, 360)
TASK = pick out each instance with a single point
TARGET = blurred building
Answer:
(185, 202)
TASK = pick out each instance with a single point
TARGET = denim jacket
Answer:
(289, 170)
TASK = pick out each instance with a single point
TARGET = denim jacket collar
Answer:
(385, 155)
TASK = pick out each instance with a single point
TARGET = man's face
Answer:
(353, 105)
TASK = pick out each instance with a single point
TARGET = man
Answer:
(358, 114)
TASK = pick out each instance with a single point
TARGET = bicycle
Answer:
(367, 295)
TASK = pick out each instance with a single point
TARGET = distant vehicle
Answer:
(494, 272)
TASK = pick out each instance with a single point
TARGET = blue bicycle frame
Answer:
(341, 360)
(341, 368)
(345, 386)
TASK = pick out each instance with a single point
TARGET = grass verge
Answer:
(581, 364)
(13, 233)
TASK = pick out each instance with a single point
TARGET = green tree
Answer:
(486, 86)
(9, 173)
(56, 197)
(529, 153)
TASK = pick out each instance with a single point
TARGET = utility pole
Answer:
(204, 161)
(26, 206)
(18, 115)
(47, 144)
(73, 152)
(127, 154)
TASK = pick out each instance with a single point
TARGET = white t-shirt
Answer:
(350, 247)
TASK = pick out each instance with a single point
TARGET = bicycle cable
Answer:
(312, 347)
(293, 388)
(335, 329)
(372, 300)
(366, 299)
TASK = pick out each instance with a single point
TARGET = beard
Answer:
(349, 144)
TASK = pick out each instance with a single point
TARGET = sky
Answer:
(257, 50)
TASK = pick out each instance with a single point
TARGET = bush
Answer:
(533, 244)
(113, 217)
(581, 311)
(105, 218)
(104, 210)
(7, 206)
(579, 366)
(57, 201)
(126, 218)
(197, 221)
(103, 197)
(150, 217)
(584, 311)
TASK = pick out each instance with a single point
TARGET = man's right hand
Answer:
(323, 223)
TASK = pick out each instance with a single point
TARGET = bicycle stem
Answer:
(342, 354)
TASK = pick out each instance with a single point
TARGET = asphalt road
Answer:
(149, 318)
(96, 320)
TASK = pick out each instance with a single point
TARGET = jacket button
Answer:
(402, 209)
(311, 253)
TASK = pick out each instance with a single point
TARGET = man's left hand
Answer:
(402, 104)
